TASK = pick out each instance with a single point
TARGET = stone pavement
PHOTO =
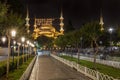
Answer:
(48, 68)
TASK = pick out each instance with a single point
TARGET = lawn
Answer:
(114, 72)
(17, 73)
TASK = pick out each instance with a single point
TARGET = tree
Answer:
(9, 20)
(14, 5)
(3, 12)
(13, 21)
(45, 41)
(62, 41)
(7, 23)
(92, 33)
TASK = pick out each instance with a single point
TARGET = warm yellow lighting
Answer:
(19, 44)
(23, 39)
(14, 42)
(13, 33)
(28, 42)
(3, 39)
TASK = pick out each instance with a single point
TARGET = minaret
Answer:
(27, 21)
(61, 23)
(101, 22)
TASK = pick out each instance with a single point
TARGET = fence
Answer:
(114, 64)
(95, 75)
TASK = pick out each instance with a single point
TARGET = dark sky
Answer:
(78, 11)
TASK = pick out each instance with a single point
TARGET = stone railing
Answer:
(95, 75)
(27, 73)
(35, 72)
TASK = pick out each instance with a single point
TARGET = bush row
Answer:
(12, 65)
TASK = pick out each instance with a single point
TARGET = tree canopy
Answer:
(11, 20)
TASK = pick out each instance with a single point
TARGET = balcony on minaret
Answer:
(27, 24)
(61, 24)
(27, 19)
(101, 22)
(61, 18)
(28, 31)
(61, 30)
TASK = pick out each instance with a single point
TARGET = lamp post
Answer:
(31, 47)
(23, 40)
(28, 48)
(35, 48)
(8, 59)
(110, 31)
(13, 34)
(14, 42)
(18, 55)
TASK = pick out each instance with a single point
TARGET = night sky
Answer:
(78, 11)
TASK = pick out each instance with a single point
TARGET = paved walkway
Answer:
(48, 68)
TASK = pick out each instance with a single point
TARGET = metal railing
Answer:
(27, 73)
(95, 75)
(114, 64)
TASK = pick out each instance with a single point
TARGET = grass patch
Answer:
(114, 72)
(17, 73)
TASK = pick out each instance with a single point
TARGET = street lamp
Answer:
(100, 42)
(14, 42)
(110, 31)
(35, 48)
(18, 54)
(31, 48)
(13, 34)
(28, 42)
(3, 39)
(23, 40)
